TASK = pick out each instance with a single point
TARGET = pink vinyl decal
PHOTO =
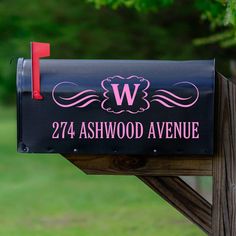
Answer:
(122, 94)
(118, 89)
(80, 100)
(170, 100)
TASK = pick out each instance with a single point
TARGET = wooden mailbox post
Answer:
(160, 171)
(161, 174)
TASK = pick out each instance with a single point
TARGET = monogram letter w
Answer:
(125, 92)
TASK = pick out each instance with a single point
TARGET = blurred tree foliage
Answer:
(77, 29)
(220, 13)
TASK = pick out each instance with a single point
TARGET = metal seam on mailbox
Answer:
(20, 70)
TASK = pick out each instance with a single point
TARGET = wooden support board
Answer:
(160, 173)
(224, 162)
(180, 195)
(144, 165)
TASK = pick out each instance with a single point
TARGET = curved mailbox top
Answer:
(117, 107)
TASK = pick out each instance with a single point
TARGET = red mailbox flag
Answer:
(38, 50)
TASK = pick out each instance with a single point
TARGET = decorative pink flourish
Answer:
(80, 100)
(140, 80)
(86, 97)
(170, 100)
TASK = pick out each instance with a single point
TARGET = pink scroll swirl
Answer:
(79, 100)
(171, 100)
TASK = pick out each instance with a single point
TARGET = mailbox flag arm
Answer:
(38, 50)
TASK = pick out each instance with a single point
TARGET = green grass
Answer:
(44, 195)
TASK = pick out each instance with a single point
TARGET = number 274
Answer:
(63, 129)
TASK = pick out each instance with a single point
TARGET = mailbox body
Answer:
(117, 107)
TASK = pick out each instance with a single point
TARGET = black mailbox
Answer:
(117, 107)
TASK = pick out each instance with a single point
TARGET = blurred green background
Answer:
(46, 195)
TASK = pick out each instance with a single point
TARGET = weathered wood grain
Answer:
(224, 162)
(143, 165)
(180, 195)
